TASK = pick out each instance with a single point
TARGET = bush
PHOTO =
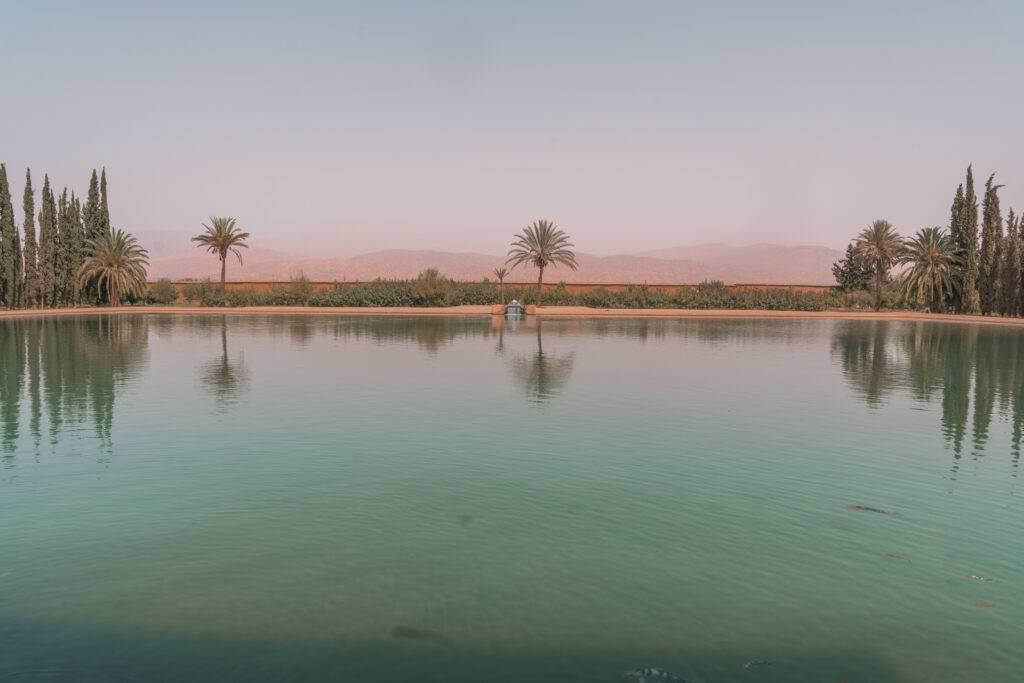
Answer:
(431, 289)
(198, 291)
(162, 291)
(301, 290)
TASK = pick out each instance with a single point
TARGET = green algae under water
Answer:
(455, 499)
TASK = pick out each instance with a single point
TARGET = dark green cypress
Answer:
(9, 246)
(956, 218)
(62, 260)
(850, 272)
(32, 282)
(92, 214)
(1011, 280)
(47, 243)
(969, 297)
(91, 218)
(104, 207)
(75, 249)
(991, 248)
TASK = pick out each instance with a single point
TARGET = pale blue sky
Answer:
(450, 125)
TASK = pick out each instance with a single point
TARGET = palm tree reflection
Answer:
(977, 371)
(542, 374)
(224, 378)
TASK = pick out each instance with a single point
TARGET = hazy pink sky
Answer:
(344, 127)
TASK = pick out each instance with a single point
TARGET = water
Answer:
(442, 499)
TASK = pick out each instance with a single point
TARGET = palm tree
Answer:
(934, 271)
(880, 246)
(501, 274)
(222, 238)
(542, 244)
(115, 261)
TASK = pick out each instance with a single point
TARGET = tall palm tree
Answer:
(221, 238)
(501, 274)
(934, 272)
(880, 246)
(541, 245)
(117, 262)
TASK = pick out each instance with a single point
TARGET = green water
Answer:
(437, 499)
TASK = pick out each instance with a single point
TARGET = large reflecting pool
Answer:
(453, 499)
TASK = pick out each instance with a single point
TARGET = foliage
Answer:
(991, 249)
(162, 291)
(115, 263)
(8, 245)
(222, 237)
(1010, 303)
(880, 246)
(301, 290)
(934, 271)
(970, 301)
(501, 274)
(47, 243)
(851, 273)
(542, 244)
(32, 284)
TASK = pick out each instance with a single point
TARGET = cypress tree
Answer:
(969, 298)
(9, 246)
(104, 207)
(32, 282)
(62, 259)
(991, 248)
(78, 252)
(956, 218)
(91, 219)
(1011, 266)
(851, 273)
(47, 243)
(92, 214)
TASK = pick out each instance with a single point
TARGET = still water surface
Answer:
(449, 499)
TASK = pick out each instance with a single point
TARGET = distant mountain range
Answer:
(756, 263)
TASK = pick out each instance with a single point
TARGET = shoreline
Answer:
(544, 312)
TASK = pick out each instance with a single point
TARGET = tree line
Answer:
(68, 254)
(958, 268)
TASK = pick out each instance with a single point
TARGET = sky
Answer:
(335, 128)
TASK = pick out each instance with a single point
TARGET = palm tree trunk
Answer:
(114, 299)
(501, 291)
(223, 270)
(540, 283)
(878, 286)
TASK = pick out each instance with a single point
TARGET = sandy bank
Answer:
(546, 311)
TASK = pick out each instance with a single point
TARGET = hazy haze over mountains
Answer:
(760, 263)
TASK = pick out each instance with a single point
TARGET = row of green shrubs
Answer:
(432, 289)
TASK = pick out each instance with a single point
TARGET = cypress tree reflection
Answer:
(977, 370)
(12, 368)
(74, 367)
